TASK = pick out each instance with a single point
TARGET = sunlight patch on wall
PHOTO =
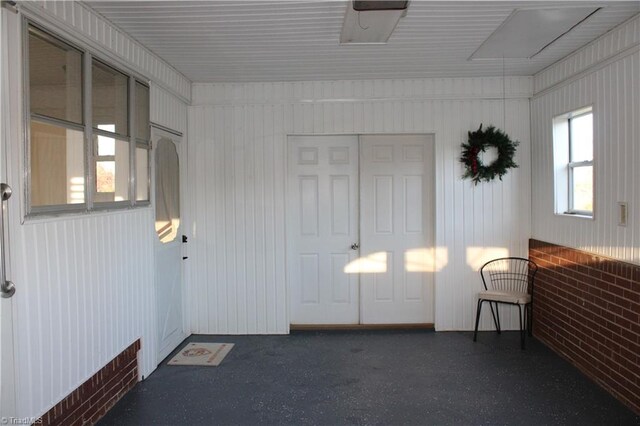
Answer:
(478, 256)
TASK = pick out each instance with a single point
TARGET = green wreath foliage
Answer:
(478, 142)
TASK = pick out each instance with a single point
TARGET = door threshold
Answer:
(329, 327)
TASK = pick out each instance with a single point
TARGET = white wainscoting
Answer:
(236, 173)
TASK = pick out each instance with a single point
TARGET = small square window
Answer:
(573, 162)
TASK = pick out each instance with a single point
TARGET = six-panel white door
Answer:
(396, 228)
(322, 216)
(360, 229)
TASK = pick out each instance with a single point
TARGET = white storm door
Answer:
(397, 228)
(168, 246)
(322, 216)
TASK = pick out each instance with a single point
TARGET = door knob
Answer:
(355, 246)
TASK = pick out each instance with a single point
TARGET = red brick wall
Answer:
(91, 401)
(587, 308)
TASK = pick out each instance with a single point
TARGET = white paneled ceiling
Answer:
(237, 41)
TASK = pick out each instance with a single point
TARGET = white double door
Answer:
(360, 229)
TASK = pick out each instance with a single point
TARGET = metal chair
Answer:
(508, 280)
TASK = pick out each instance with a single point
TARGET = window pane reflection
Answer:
(57, 165)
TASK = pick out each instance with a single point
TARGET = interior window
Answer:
(56, 151)
(60, 148)
(573, 162)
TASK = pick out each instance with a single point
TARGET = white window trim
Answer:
(563, 167)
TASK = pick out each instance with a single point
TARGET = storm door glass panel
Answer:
(57, 165)
(55, 78)
(167, 191)
(109, 94)
(112, 169)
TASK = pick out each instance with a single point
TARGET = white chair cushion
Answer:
(505, 296)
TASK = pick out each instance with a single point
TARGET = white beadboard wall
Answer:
(236, 173)
(85, 282)
(617, 41)
(612, 86)
(85, 293)
(167, 110)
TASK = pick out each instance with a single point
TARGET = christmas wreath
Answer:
(478, 142)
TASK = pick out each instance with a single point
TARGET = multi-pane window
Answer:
(573, 159)
(56, 130)
(79, 157)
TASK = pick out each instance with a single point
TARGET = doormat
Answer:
(210, 354)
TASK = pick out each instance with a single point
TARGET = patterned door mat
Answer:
(210, 354)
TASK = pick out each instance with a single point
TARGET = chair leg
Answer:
(522, 330)
(496, 316)
(475, 333)
(530, 323)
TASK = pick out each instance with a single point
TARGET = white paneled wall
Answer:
(625, 36)
(85, 293)
(613, 88)
(236, 173)
(85, 288)
(167, 110)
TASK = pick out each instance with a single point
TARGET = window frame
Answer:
(88, 55)
(564, 167)
(30, 116)
(572, 165)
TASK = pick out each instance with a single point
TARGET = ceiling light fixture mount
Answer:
(371, 22)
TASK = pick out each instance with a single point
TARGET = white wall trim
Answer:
(349, 91)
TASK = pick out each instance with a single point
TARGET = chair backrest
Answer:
(509, 274)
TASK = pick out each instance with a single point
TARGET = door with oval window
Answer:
(168, 245)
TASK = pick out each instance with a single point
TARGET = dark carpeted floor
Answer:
(372, 377)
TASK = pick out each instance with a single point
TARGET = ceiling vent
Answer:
(371, 22)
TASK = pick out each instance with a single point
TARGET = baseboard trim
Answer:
(346, 327)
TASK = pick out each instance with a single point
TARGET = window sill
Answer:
(575, 215)
(45, 217)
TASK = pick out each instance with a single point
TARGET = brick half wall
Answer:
(89, 402)
(587, 309)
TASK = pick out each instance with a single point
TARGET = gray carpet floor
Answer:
(372, 378)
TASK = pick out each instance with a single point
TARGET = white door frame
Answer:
(159, 132)
(434, 191)
(10, 144)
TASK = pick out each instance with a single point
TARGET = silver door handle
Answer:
(355, 246)
(7, 289)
